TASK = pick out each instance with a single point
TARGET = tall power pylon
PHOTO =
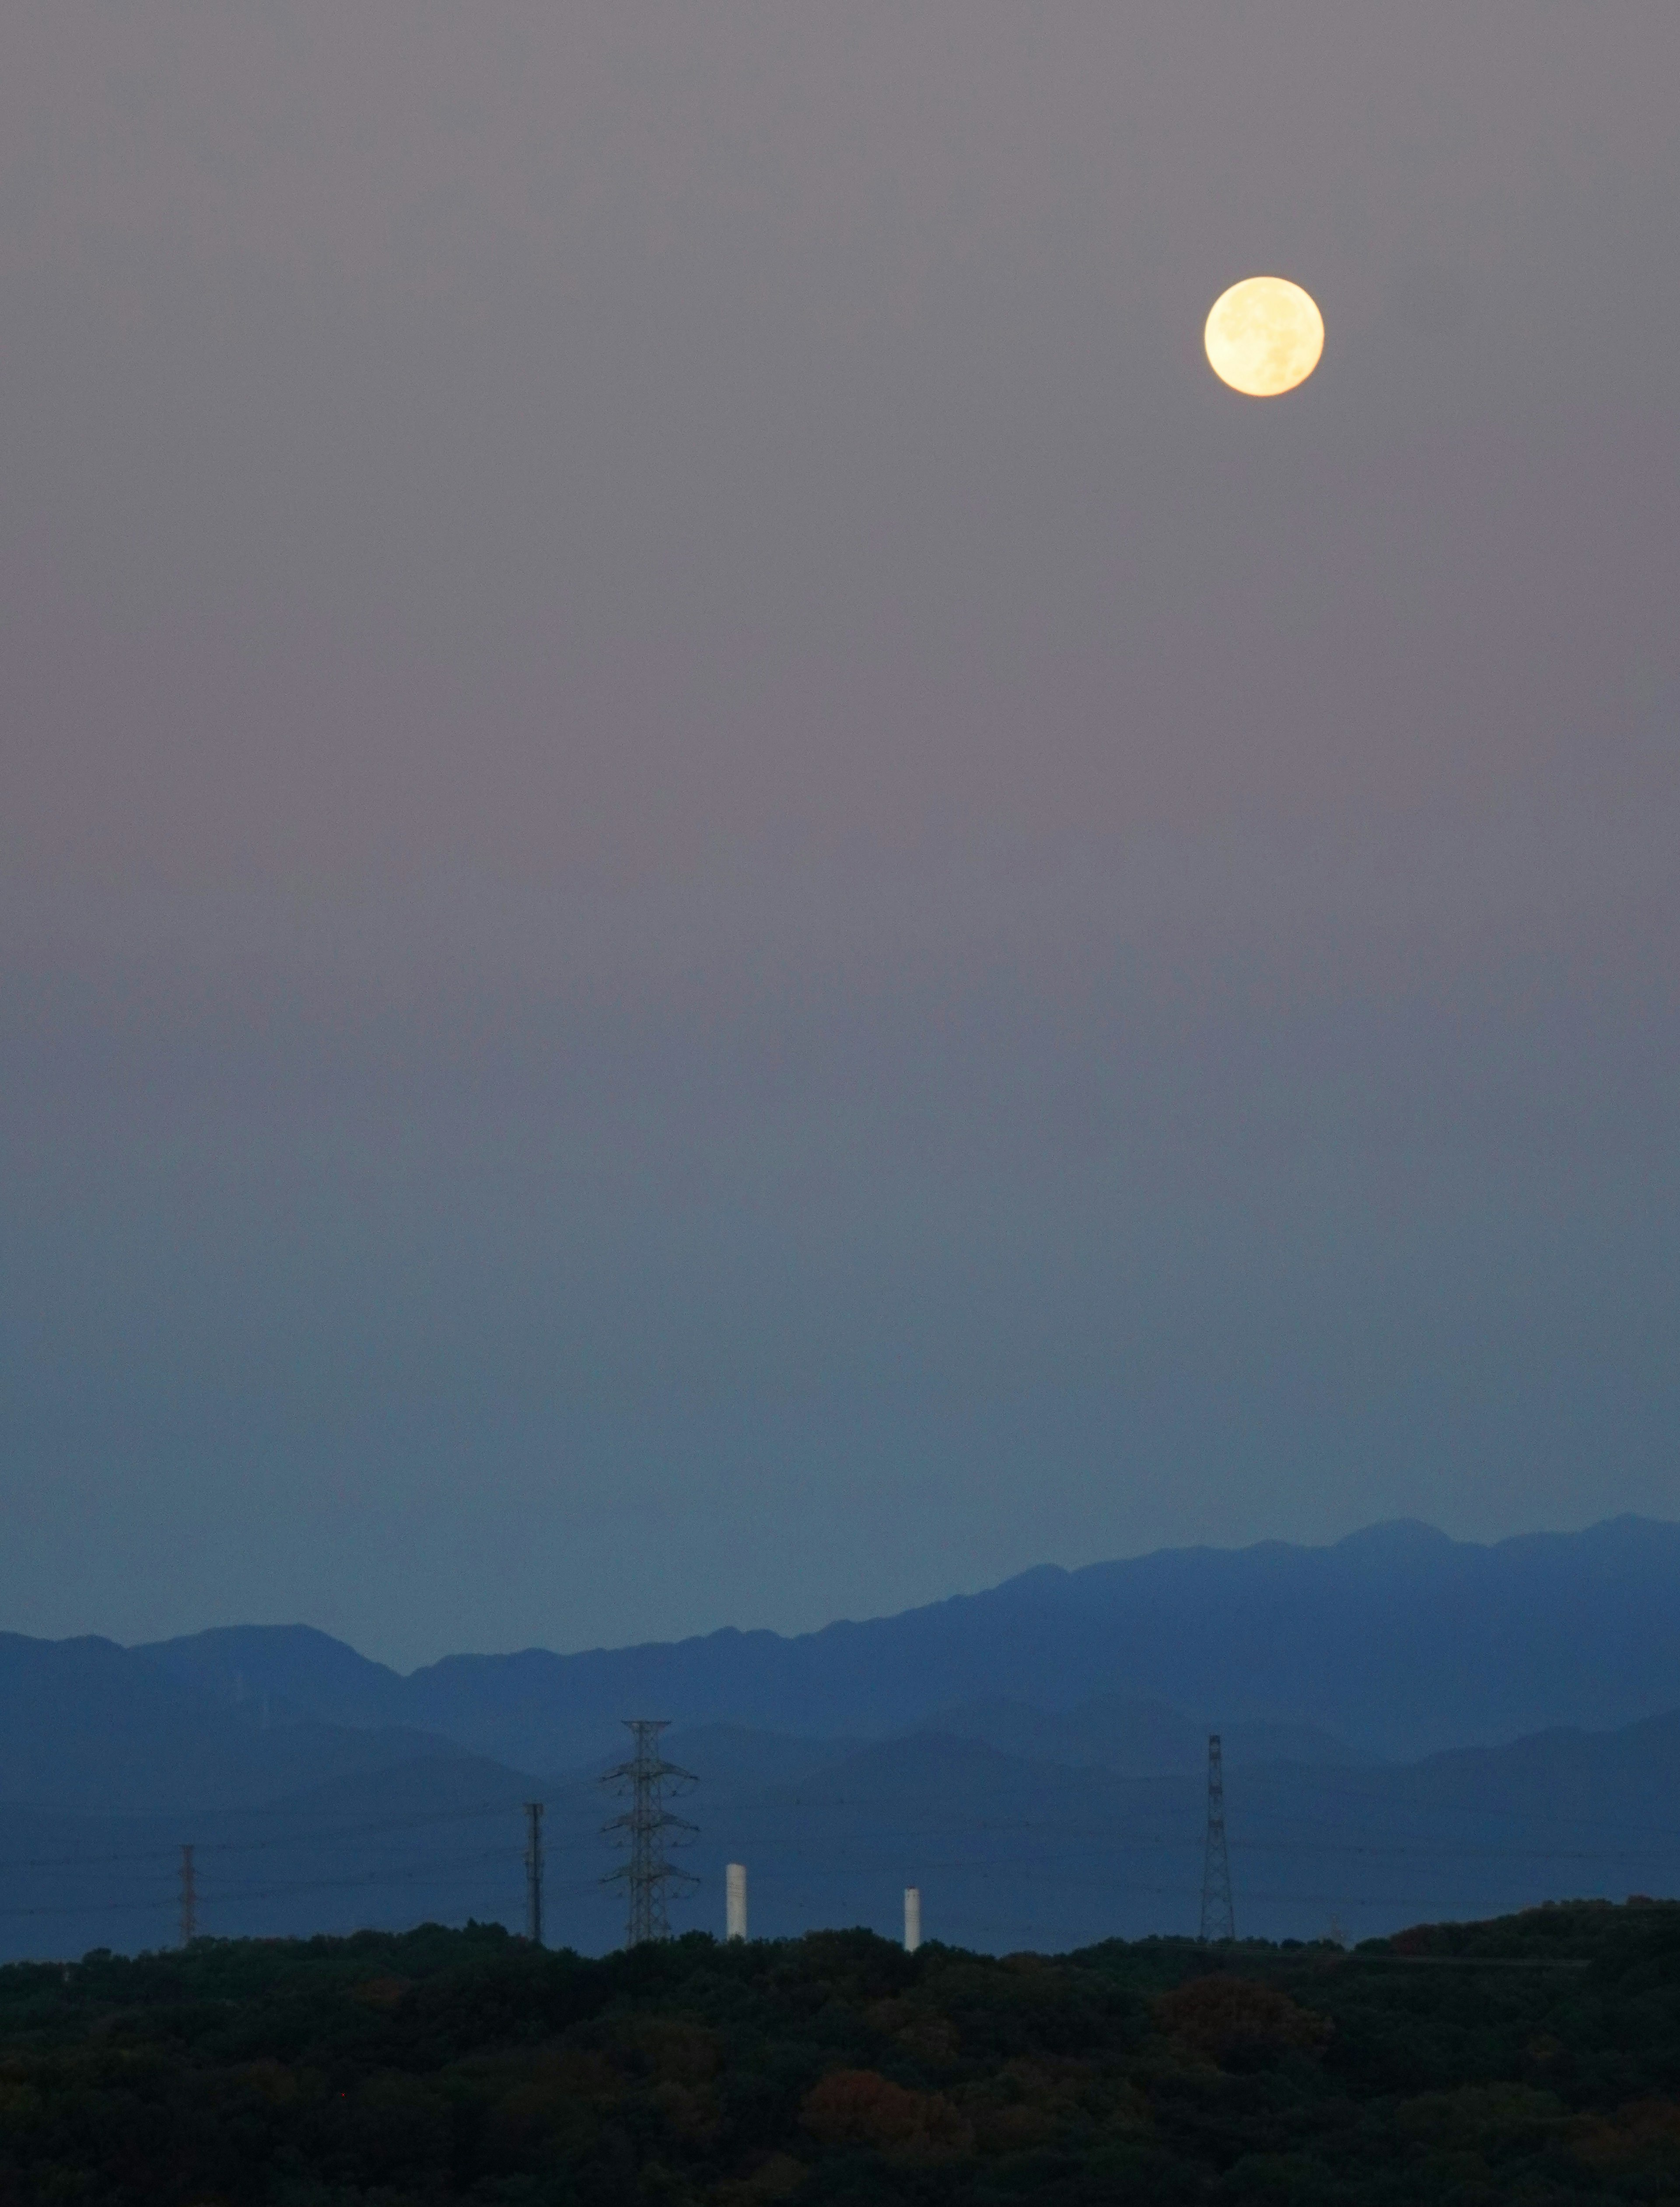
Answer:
(648, 1828)
(1219, 1920)
(189, 1898)
(533, 1872)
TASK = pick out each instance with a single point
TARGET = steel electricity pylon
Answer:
(1219, 1921)
(648, 1829)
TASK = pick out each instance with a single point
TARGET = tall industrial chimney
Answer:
(912, 1919)
(735, 1884)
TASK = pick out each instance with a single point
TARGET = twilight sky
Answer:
(720, 903)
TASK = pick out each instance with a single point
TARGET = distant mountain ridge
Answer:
(1398, 1641)
(1414, 1727)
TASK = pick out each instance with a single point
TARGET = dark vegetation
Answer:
(1534, 2059)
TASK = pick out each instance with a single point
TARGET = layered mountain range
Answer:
(1412, 1725)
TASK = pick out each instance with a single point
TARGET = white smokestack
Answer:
(735, 1887)
(912, 1919)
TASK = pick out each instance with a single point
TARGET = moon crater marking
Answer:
(1265, 336)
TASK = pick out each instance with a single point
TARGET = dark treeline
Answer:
(1536, 2058)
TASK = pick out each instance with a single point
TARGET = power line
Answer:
(650, 1828)
(1445, 1849)
(321, 1834)
(1253, 1814)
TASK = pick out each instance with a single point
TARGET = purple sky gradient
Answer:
(718, 903)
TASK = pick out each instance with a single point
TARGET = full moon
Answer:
(1265, 336)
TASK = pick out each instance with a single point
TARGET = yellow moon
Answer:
(1265, 336)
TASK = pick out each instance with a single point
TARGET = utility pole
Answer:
(190, 1900)
(533, 1872)
(1219, 1922)
(648, 1828)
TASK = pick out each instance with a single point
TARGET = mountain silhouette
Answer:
(1415, 1726)
(1395, 1641)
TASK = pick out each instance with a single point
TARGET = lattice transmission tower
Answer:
(648, 1829)
(1219, 1921)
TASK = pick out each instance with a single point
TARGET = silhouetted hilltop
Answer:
(1397, 1640)
(292, 1668)
(88, 1724)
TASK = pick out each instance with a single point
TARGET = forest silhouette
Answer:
(1533, 2058)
